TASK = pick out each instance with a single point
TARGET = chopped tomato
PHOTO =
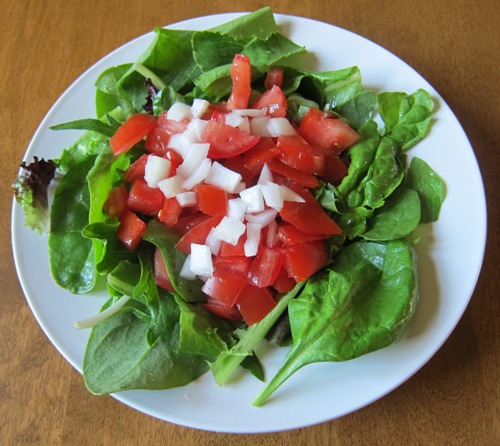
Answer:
(221, 310)
(265, 267)
(325, 132)
(273, 101)
(261, 153)
(198, 234)
(296, 152)
(131, 230)
(187, 221)
(219, 115)
(228, 250)
(137, 169)
(145, 199)
(308, 217)
(226, 141)
(162, 278)
(335, 169)
(284, 283)
(241, 76)
(236, 264)
(116, 203)
(170, 212)
(274, 77)
(254, 303)
(211, 200)
(224, 286)
(302, 261)
(295, 175)
(133, 130)
(157, 141)
(171, 126)
(290, 235)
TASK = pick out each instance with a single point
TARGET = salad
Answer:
(227, 198)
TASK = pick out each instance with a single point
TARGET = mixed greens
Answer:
(150, 338)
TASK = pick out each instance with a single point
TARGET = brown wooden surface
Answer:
(454, 44)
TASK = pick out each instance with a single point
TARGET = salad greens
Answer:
(150, 338)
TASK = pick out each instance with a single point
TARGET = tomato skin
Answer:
(273, 101)
(170, 212)
(284, 283)
(254, 303)
(325, 132)
(290, 235)
(261, 153)
(241, 76)
(274, 77)
(171, 126)
(228, 250)
(237, 164)
(132, 131)
(335, 169)
(211, 200)
(144, 199)
(226, 141)
(302, 261)
(236, 264)
(224, 286)
(309, 217)
(221, 310)
(295, 175)
(296, 152)
(198, 234)
(162, 279)
(137, 169)
(131, 230)
(187, 221)
(265, 267)
(116, 203)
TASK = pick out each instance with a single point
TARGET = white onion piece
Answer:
(186, 272)
(157, 169)
(233, 119)
(272, 195)
(236, 208)
(241, 186)
(251, 112)
(186, 199)
(229, 230)
(272, 234)
(193, 159)
(252, 242)
(289, 195)
(201, 260)
(171, 186)
(266, 176)
(179, 111)
(195, 130)
(280, 126)
(223, 177)
(198, 175)
(263, 218)
(245, 125)
(180, 143)
(199, 107)
(213, 242)
(253, 198)
(258, 127)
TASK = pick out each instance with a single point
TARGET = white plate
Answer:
(450, 257)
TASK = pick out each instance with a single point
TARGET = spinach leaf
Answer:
(361, 305)
(429, 186)
(109, 94)
(259, 24)
(71, 255)
(118, 356)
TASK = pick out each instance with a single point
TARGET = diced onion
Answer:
(198, 175)
(180, 143)
(223, 177)
(195, 130)
(253, 198)
(157, 169)
(171, 186)
(179, 111)
(236, 208)
(272, 195)
(266, 176)
(186, 272)
(186, 199)
(229, 230)
(199, 107)
(196, 154)
(263, 218)
(201, 260)
(289, 195)
(280, 126)
(272, 234)
(213, 242)
(233, 119)
(252, 242)
(251, 112)
(258, 127)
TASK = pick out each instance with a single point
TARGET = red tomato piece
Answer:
(254, 303)
(290, 235)
(296, 152)
(131, 230)
(335, 169)
(116, 203)
(171, 126)
(133, 130)
(265, 267)
(198, 234)
(219, 115)
(221, 310)
(302, 261)
(261, 153)
(237, 164)
(274, 77)
(308, 217)
(228, 250)
(224, 286)
(284, 283)
(145, 199)
(226, 141)
(162, 278)
(241, 76)
(157, 141)
(325, 132)
(137, 169)
(211, 200)
(236, 264)
(273, 101)
(170, 212)
(188, 220)
(295, 175)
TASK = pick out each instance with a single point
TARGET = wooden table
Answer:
(454, 399)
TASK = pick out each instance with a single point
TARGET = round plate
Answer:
(449, 262)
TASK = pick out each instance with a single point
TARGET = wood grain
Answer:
(454, 399)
